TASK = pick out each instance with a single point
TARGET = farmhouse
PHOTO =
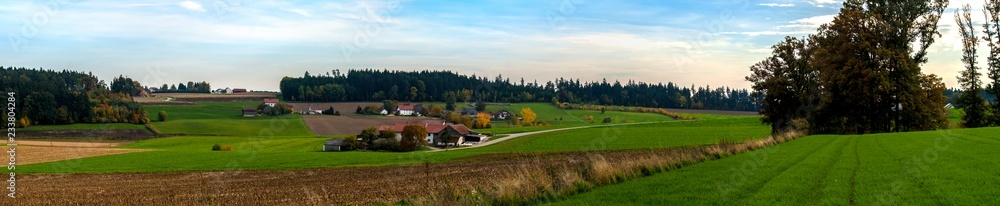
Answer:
(313, 109)
(333, 144)
(249, 112)
(441, 134)
(270, 102)
(470, 112)
(452, 135)
(238, 90)
(405, 110)
(501, 115)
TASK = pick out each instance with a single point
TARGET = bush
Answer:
(216, 147)
(606, 120)
(351, 143)
(800, 125)
(385, 144)
(162, 116)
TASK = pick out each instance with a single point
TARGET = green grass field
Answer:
(192, 153)
(225, 118)
(948, 167)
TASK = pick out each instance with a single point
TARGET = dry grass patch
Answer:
(39, 154)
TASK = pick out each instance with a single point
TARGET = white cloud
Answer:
(815, 21)
(302, 12)
(795, 27)
(193, 6)
(824, 3)
(776, 5)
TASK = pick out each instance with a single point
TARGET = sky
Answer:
(253, 44)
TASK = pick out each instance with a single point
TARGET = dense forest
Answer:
(66, 97)
(418, 86)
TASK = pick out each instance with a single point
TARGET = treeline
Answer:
(446, 86)
(858, 74)
(65, 97)
(126, 85)
(953, 95)
(190, 87)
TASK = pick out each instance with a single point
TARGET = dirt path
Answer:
(516, 135)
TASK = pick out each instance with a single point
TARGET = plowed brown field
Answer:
(353, 186)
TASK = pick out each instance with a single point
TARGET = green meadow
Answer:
(224, 119)
(947, 167)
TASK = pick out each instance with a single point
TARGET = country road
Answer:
(516, 135)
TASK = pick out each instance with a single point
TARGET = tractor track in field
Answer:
(908, 170)
(821, 180)
(757, 188)
(854, 175)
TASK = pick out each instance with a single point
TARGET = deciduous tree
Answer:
(528, 116)
(413, 138)
(482, 120)
(787, 83)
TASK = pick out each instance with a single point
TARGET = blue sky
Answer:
(252, 44)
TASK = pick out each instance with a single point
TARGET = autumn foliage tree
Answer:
(528, 116)
(482, 120)
(412, 138)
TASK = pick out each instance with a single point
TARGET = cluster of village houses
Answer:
(439, 132)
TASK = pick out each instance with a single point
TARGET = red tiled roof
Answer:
(270, 100)
(460, 128)
(396, 128)
(250, 109)
(431, 128)
(435, 128)
(406, 107)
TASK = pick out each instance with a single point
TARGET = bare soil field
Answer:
(159, 101)
(202, 97)
(339, 125)
(349, 123)
(343, 107)
(31, 152)
(333, 186)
